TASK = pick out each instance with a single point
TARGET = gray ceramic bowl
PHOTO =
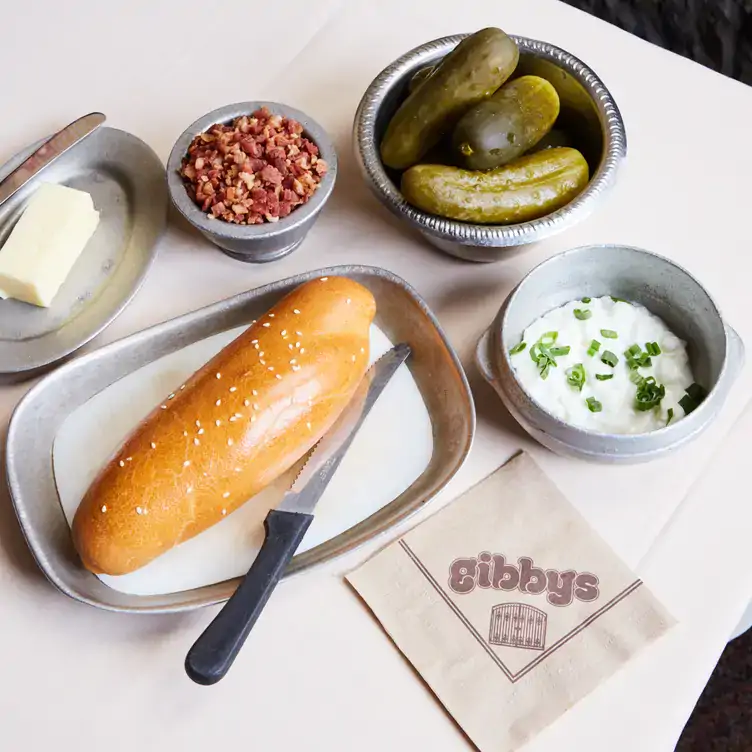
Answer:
(254, 243)
(716, 352)
(588, 114)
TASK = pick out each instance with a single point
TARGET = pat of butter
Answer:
(45, 243)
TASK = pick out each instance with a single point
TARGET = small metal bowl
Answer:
(716, 352)
(253, 243)
(588, 114)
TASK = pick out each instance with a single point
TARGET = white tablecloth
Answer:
(318, 673)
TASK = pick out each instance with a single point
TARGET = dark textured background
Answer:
(718, 35)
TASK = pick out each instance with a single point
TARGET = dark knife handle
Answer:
(215, 650)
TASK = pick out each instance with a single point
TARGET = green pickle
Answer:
(507, 124)
(530, 187)
(472, 71)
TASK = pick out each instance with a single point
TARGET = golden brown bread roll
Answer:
(237, 424)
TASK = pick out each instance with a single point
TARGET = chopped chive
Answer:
(548, 338)
(560, 350)
(609, 358)
(593, 405)
(696, 392)
(656, 348)
(652, 348)
(534, 352)
(635, 378)
(649, 394)
(609, 333)
(594, 347)
(633, 350)
(618, 300)
(582, 314)
(586, 300)
(670, 415)
(576, 376)
(604, 376)
(518, 348)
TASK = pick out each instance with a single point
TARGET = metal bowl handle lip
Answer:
(484, 356)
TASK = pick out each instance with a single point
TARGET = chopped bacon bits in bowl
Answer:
(257, 169)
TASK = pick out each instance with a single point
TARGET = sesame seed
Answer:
(253, 418)
(267, 324)
(284, 332)
(128, 459)
(309, 426)
(362, 349)
(224, 512)
(172, 396)
(153, 445)
(200, 431)
(218, 422)
(232, 419)
(219, 375)
(218, 402)
(271, 315)
(293, 362)
(206, 475)
(104, 507)
(257, 345)
(302, 350)
(354, 358)
(229, 442)
(189, 489)
(238, 415)
(246, 402)
(139, 510)
(254, 392)
(226, 495)
(271, 368)
(196, 442)
(263, 362)
(278, 377)
(295, 311)
(146, 511)
(186, 463)
(233, 389)
(185, 433)
(297, 344)
(323, 279)
(182, 387)
(296, 368)
(164, 407)
(300, 334)
(254, 341)
(290, 346)
(238, 470)
(198, 424)
(122, 464)
(255, 406)
(348, 301)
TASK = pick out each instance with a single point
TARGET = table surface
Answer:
(318, 672)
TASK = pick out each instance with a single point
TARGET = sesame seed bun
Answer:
(234, 427)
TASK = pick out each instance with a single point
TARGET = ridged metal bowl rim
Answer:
(367, 150)
(218, 227)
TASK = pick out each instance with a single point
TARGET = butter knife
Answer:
(215, 650)
(48, 152)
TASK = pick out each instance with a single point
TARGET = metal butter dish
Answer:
(127, 183)
(402, 316)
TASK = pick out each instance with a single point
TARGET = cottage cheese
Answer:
(633, 324)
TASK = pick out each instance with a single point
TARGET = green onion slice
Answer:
(609, 358)
(548, 338)
(586, 300)
(618, 300)
(636, 378)
(604, 376)
(649, 394)
(594, 347)
(518, 348)
(670, 415)
(593, 405)
(582, 314)
(609, 333)
(576, 376)
(560, 350)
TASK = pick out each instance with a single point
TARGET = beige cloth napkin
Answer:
(509, 605)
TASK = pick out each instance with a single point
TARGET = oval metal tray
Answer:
(127, 182)
(401, 314)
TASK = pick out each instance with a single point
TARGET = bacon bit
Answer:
(258, 169)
